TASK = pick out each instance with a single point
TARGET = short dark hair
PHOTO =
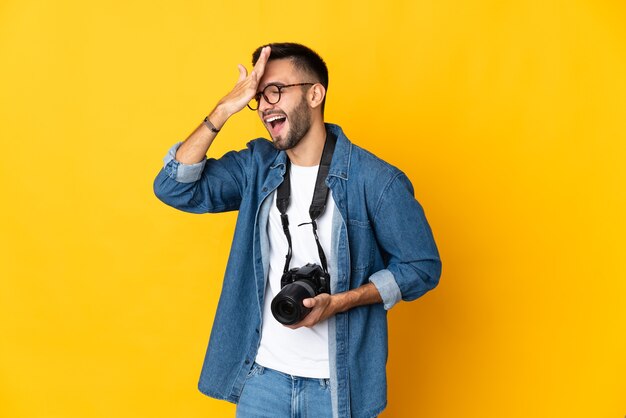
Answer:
(303, 58)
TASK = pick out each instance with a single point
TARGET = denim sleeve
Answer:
(387, 287)
(401, 228)
(183, 173)
(212, 185)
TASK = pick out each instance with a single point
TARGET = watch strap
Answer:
(209, 125)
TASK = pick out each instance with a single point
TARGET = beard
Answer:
(299, 124)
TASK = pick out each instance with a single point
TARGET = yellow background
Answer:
(509, 117)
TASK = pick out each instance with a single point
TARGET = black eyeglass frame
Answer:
(257, 97)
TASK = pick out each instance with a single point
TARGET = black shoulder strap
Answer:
(284, 190)
(282, 203)
(320, 195)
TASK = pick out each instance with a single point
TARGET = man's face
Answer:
(289, 120)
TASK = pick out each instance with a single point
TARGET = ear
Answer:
(316, 95)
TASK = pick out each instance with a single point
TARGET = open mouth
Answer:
(275, 123)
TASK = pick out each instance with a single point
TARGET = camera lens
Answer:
(287, 306)
(286, 309)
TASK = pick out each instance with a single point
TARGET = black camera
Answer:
(296, 285)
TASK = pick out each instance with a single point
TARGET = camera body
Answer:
(296, 285)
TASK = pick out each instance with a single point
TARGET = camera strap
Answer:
(318, 204)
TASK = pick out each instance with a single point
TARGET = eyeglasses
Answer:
(271, 94)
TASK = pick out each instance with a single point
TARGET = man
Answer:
(374, 242)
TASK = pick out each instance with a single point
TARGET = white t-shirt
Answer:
(304, 351)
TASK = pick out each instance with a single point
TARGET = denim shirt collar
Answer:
(340, 164)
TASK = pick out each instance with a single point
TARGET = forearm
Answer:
(363, 295)
(196, 146)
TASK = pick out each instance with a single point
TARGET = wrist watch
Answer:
(209, 125)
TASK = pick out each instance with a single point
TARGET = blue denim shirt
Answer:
(379, 235)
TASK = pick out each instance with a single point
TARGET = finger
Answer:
(309, 303)
(259, 67)
(243, 73)
(308, 322)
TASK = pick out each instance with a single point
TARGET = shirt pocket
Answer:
(360, 237)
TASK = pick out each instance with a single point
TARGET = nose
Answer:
(264, 105)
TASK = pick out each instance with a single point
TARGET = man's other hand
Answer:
(323, 306)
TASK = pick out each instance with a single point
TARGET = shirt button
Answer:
(257, 330)
(265, 189)
(247, 361)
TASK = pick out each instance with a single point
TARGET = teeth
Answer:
(274, 118)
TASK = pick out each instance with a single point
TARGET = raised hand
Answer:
(246, 86)
(195, 147)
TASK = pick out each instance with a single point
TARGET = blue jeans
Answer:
(268, 393)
